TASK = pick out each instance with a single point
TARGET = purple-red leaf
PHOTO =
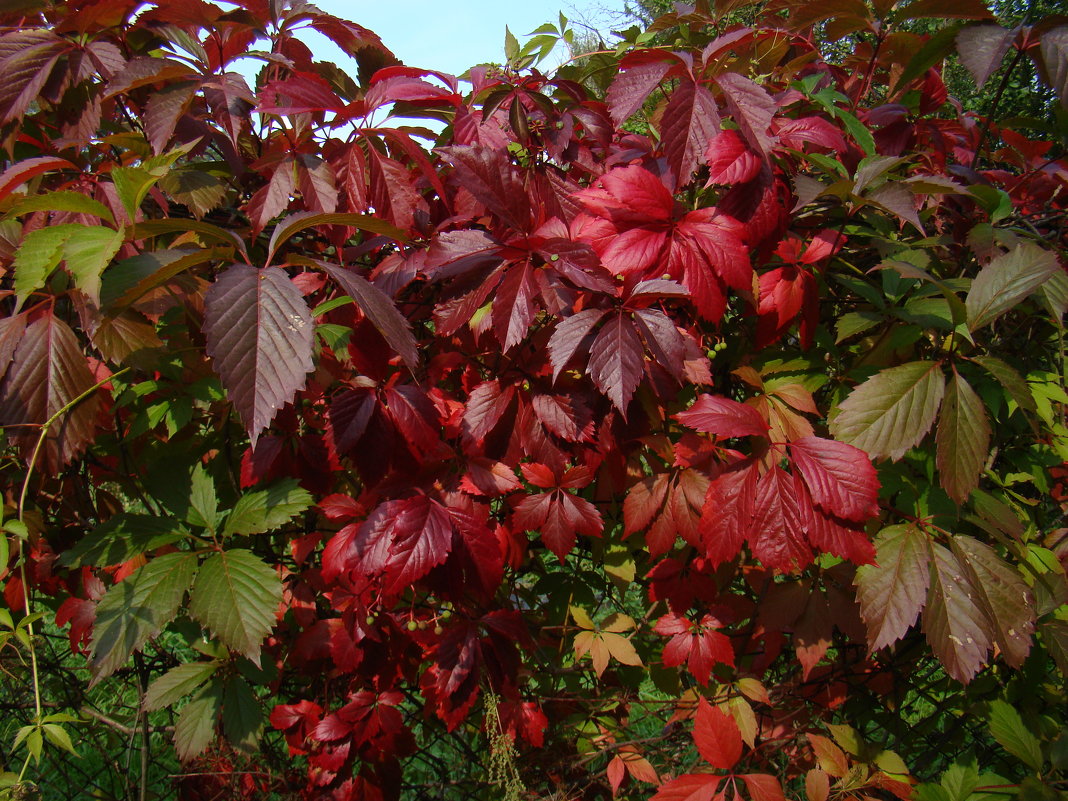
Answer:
(956, 626)
(47, 372)
(376, 304)
(892, 592)
(690, 120)
(259, 334)
(751, 107)
(402, 540)
(616, 360)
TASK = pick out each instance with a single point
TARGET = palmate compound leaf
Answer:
(1006, 281)
(956, 626)
(235, 596)
(892, 592)
(136, 609)
(892, 411)
(47, 373)
(1003, 595)
(259, 334)
(963, 439)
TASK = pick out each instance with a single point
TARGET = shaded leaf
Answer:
(235, 596)
(956, 627)
(892, 592)
(267, 509)
(177, 683)
(48, 372)
(617, 360)
(1016, 737)
(982, 48)
(381, 311)
(136, 609)
(690, 120)
(195, 728)
(242, 715)
(1007, 280)
(121, 538)
(1007, 600)
(963, 439)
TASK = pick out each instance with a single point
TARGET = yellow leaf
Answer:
(620, 647)
(744, 717)
(581, 617)
(617, 622)
(583, 642)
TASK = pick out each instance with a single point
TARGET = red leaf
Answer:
(690, 120)
(729, 159)
(163, 110)
(689, 787)
(840, 477)
(776, 535)
(485, 407)
(299, 93)
(728, 512)
(565, 416)
(617, 361)
(558, 516)
(402, 540)
(699, 646)
(22, 171)
(718, 739)
(513, 305)
(723, 417)
(763, 787)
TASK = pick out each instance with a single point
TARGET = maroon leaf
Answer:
(616, 361)
(377, 305)
(751, 107)
(31, 55)
(558, 516)
(485, 407)
(259, 334)
(568, 337)
(639, 74)
(491, 178)
(690, 120)
(723, 417)
(982, 48)
(401, 541)
(48, 372)
(163, 110)
(513, 305)
(840, 477)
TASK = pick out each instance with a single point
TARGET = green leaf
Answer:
(242, 715)
(960, 781)
(852, 323)
(995, 202)
(136, 609)
(195, 727)
(267, 509)
(132, 185)
(1054, 294)
(59, 737)
(1008, 728)
(74, 202)
(121, 538)
(37, 256)
(956, 627)
(1006, 599)
(861, 135)
(87, 252)
(937, 47)
(892, 411)
(177, 683)
(963, 439)
(1006, 281)
(235, 596)
(198, 189)
(203, 505)
(892, 592)
(1010, 380)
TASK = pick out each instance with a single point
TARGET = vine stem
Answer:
(21, 513)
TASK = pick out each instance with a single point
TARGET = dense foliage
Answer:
(647, 429)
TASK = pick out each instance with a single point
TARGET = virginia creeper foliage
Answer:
(652, 417)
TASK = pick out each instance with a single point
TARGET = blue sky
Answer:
(449, 35)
